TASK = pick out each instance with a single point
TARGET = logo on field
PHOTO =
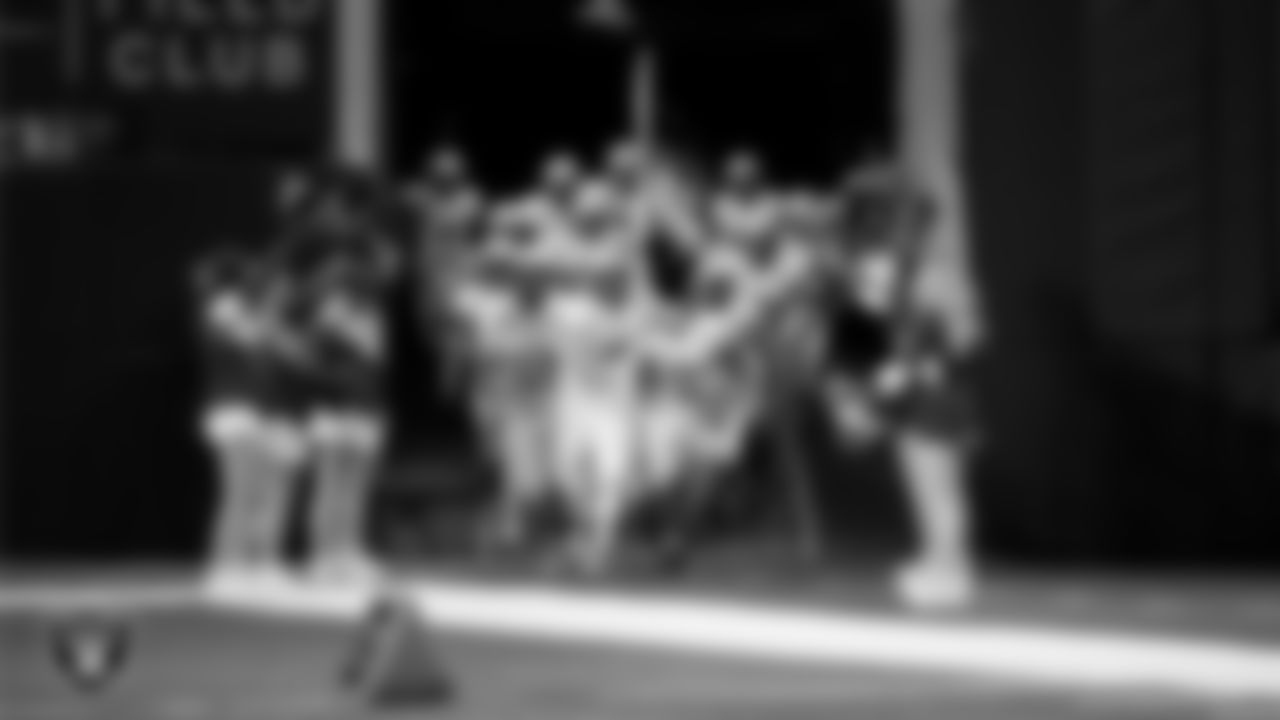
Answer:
(90, 651)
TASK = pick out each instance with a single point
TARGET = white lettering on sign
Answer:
(219, 46)
(231, 65)
(226, 63)
(284, 63)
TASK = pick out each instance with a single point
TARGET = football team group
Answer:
(617, 333)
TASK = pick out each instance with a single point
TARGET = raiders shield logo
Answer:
(90, 651)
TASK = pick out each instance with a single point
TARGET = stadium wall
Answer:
(101, 369)
(1123, 202)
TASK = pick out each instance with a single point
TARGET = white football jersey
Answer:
(589, 331)
(876, 278)
(778, 266)
(499, 312)
(743, 217)
(481, 306)
(605, 232)
(516, 232)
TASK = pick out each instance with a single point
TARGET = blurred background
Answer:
(1121, 160)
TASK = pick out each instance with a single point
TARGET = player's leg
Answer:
(520, 449)
(686, 479)
(932, 451)
(578, 482)
(515, 412)
(256, 467)
(662, 423)
(231, 432)
(347, 451)
(566, 469)
(284, 442)
(713, 434)
(612, 475)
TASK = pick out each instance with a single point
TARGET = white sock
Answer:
(933, 472)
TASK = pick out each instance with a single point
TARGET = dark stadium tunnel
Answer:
(809, 84)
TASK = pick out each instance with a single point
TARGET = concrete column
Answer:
(929, 117)
(357, 123)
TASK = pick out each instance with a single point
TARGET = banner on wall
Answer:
(180, 77)
(229, 49)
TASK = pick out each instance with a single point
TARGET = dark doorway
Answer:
(506, 84)
(807, 83)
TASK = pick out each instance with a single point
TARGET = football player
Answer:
(593, 411)
(600, 241)
(342, 211)
(697, 399)
(501, 307)
(701, 395)
(450, 213)
(345, 325)
(250, 418)
(743, 209)
(903, 382)
(560, 178)
(449, 204)
(626, 173)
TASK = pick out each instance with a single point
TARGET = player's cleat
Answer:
(91, 650)
(351, 568)
(393, 663)
(232, 580)
(936, 586)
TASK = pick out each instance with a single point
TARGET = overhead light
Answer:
(610, 15)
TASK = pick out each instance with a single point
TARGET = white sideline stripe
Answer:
(47, 597)
(1071, 657)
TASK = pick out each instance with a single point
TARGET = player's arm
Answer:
(357, 324)
(697, 340)
(668, 215)
(283, 337)
(918, 355)
(231, 316)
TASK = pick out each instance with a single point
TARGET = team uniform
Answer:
(605, 234)
(344, 323)
(904, 370)
(450, 218)
(501, 308)
(745, 216)
(896, 376)
(251, 421)
(348, 338)
(593, 409)
(881, 335)
(250, 392)
(700, 395)
(453, 208)
(342, 259)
